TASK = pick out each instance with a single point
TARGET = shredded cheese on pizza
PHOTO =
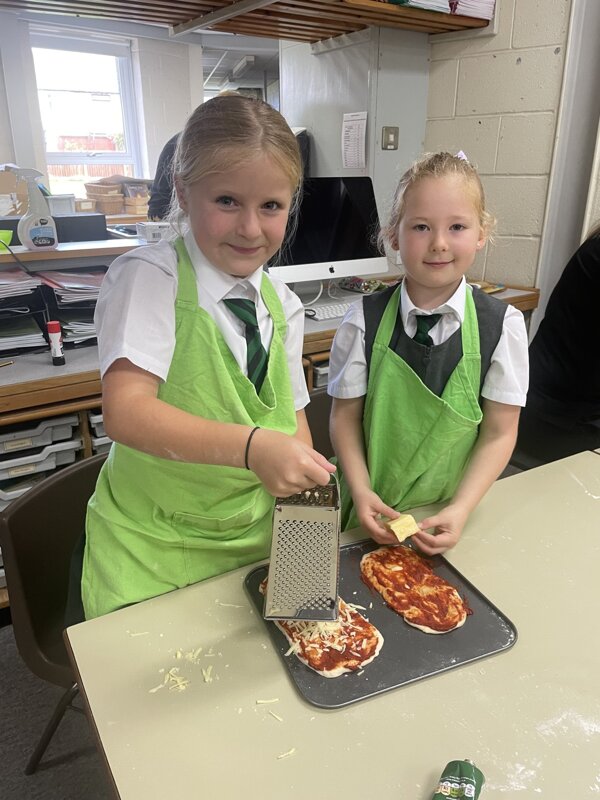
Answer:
(332, 648)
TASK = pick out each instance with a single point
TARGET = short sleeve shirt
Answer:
(505, 382)
(135, 313)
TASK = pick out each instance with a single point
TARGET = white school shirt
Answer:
(135, 312)
(507, 378)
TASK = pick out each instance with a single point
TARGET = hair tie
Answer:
(462, 156)
(252, 432)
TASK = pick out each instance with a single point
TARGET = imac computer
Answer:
(336, 234)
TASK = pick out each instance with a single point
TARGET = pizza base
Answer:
(425, 629)
(351, 642)
(409, 587)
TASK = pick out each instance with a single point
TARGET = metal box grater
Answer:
(305, 550)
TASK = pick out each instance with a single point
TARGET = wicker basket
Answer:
(136, 205)
(109, 204)
(95, 189)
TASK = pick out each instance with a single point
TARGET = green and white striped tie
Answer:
(256, 355)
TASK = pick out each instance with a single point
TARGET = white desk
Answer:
(529, 717)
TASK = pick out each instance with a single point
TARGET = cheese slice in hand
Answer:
(402, 527)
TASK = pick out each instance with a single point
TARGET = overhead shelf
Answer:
(314, 20)
(299, 20)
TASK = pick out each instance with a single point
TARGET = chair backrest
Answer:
(317, 415)
(38, 532)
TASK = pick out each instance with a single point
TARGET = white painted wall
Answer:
(7, 151)
(168, 78)
(21, 122)
(592, 211)
(524, 105)
(380, 71)
(572, 174)
(496, 98)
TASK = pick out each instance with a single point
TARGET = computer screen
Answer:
(336, 234)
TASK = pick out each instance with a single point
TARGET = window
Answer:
(85, 93)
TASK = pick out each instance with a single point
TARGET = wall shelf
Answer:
(299, 20)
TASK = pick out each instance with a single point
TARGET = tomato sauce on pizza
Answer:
(410, 587)
(332, 648)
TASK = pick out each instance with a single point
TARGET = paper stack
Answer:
(21, 310)
(428, 5)
(77, 325)
(73, 300)
(15, 281)
(483, 9)
(74, 287)
(19, 332)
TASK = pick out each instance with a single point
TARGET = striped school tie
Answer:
(256, 355)
(425, 323)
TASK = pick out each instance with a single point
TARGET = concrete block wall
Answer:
(496, 98)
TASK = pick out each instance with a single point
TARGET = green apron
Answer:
(417, 444)
(156, 524)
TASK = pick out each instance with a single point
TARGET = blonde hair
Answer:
(436, 165)
(226, 133)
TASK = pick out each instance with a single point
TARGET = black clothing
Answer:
(162, 186)
(562, 415)
(435, 366)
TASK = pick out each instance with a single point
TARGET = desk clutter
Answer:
(29, 300)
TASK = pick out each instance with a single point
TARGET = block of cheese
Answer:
(403, 526)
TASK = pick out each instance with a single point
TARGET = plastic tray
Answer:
(23, 436)
(408, 654)
(42, 460)
(10, 490)
(97, 423)
(101, 444)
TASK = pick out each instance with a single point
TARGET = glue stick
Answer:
(56, 345)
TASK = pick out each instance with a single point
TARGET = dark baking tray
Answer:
(407, 654)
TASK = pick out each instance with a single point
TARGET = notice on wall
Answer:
(354, 140)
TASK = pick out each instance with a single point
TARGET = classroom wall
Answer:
(592, 211)
(7, 152)
(381, 71)
(21, 121)
(497, 99)
(166, 90)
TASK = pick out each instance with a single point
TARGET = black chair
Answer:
(38, 533)
(317, 415)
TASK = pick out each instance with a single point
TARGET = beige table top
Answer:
(529, 717)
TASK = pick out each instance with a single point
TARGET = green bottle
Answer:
(460, 779)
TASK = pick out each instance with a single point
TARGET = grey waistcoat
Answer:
(434, 365)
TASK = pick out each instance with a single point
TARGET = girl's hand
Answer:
(448, 524)
(369, 508)
(285, 464)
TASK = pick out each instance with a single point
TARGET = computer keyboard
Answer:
(328, 311)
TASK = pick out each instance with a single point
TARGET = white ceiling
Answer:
(219, 62)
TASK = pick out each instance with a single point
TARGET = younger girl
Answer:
(428, 377)
(200, 355)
